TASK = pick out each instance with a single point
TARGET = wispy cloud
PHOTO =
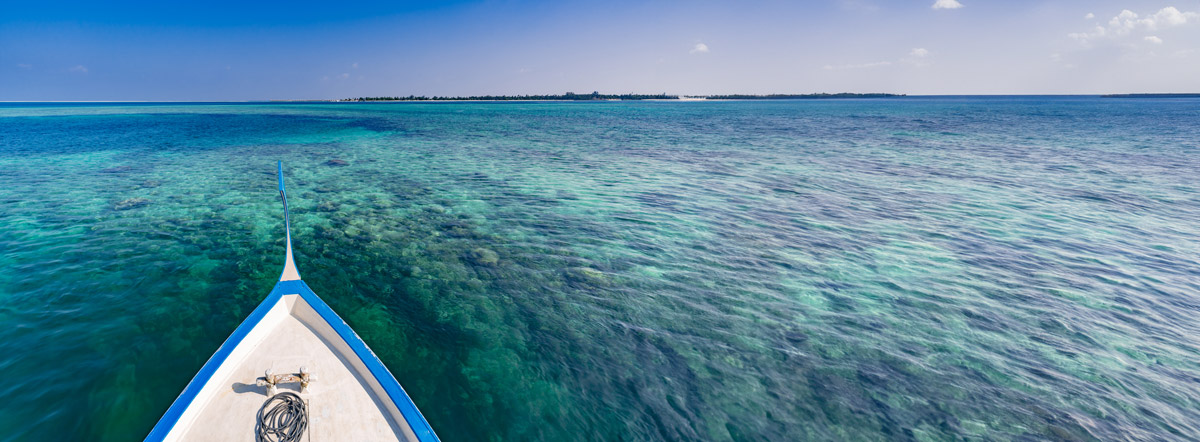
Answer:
(354, 66)
(917, 57)
(1057, 58)
(871, 65)
(1127, 23)
(1153, 39)
(344, 76)
(24, 65)
(79, 68)
(699, 48)
(947, 4)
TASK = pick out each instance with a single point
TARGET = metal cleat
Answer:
(272, 381)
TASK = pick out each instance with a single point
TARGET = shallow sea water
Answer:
(1007, 268)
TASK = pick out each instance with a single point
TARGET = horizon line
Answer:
(354, 100)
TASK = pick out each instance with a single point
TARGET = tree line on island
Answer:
(596, 96)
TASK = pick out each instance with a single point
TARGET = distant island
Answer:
(801, 96)
(596, 96)
(1151, 96)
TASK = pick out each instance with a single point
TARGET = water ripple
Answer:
(950, 268)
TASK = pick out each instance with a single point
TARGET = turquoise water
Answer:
(909, 269)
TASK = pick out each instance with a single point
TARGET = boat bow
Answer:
(355, 397)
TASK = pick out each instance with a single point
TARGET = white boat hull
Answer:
(346, 401)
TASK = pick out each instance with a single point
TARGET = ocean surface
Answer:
(999, 268)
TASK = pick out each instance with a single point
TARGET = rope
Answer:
(283, 422)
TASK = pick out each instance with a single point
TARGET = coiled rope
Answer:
(285, 421)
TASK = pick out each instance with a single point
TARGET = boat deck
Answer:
(343, 400)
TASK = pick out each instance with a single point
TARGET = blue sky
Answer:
(223, 50)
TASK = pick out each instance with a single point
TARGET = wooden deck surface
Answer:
(343, 402)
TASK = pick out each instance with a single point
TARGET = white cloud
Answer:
(1166, 17)
(918, 57)
(1089, 16)
(947, 4)
(876, 64)
(24, 65)
(1153, 39)
(79, 68)
(355, 65)
(1170, 16)
(1124, 21)
(344, 76)
(1128, 22)
(700, 48)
